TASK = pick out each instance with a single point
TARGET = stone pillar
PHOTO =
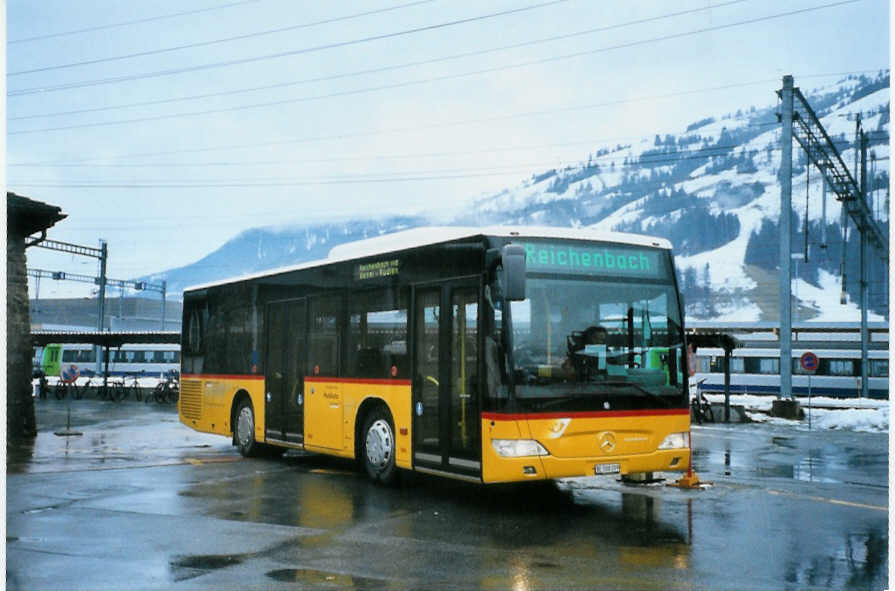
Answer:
(20, 419)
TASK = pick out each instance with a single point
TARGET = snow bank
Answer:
(847, 414)
(867, 420)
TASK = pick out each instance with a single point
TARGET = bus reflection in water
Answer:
(487, 355)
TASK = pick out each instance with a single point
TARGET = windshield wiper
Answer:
(642, 390)
(561, 400)
(576, 396)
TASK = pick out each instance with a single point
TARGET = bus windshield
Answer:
(594, 344)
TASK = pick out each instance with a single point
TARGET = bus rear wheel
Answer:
(378, 454)
(245, 430)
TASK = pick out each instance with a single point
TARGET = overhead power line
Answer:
(306, 50)
(128, 23)
(406, 176)
(401, 84)
(398, 130)
(672, 155)
(82, 84)
(441, 125)
(382, 69)
(219, 41)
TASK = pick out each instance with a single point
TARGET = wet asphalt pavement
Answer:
(141, 502)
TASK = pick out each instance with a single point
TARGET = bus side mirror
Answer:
(513, 280)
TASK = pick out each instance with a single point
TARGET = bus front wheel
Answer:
(245, 429)
(379, 447)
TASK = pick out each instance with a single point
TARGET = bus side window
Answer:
(324, 341)
(377, 335)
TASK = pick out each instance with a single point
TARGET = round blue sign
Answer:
(69, 373)
(809, 361)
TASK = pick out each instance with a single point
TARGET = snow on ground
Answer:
(623, 215)
(846, 414)
(726, 262)
(862, 419)
(826, 300)
(739, 312)
(835, 124)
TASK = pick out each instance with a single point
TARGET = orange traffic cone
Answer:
(691, 480)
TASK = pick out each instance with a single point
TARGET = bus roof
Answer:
(431, 235)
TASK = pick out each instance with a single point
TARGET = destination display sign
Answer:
(576, 258)
(376, 270)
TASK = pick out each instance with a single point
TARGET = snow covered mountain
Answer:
(258, 249)
(712, 190)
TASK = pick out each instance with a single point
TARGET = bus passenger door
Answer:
(447, 429)
(284, 374)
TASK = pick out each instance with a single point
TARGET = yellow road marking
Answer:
(328, 471)
(199, 462)
(828, 500)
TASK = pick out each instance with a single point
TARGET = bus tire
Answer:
(378, 453)
(244, 430)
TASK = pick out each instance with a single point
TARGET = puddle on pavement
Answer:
(40, 510)
(317, 541)
(189, 567)
(544, 565)
(783, 442)
(323, 578)
(209, 562)
(218, 494)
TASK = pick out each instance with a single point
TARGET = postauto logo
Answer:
(592, 260)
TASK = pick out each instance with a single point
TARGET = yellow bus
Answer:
(482, 354)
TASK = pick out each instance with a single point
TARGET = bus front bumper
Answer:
(547, 467)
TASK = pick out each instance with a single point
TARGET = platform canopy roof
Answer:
(104, 339)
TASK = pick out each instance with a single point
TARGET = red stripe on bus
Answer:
(217, 376)
(376, 381)
(493, 416)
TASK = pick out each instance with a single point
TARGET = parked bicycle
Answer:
(125, 385)
(72, 389)
(701, 409)
(105, 391)
(167, 390)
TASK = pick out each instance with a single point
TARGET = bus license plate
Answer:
(607, 469)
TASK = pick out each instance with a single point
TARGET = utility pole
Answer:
(865, 299)
(104, 255)
(823, 215)
(164, 303)
(786, 241)
(850, 190)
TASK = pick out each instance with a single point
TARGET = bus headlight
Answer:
(518, 448)
(676, 441)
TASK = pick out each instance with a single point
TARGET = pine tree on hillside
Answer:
(690, 287)
(707, 289)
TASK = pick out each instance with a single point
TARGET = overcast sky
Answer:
(168, 127)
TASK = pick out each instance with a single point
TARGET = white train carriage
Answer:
(148, 360)
(757, 371)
